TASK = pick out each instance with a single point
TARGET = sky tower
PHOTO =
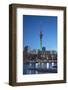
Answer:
(41, 40)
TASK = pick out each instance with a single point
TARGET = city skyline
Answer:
(32, 25)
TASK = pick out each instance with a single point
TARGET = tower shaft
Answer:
(40, 40)
(40, 44)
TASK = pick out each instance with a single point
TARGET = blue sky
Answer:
(32, 25)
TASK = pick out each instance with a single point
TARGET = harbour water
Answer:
(37, 67)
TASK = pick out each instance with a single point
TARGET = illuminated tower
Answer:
(41, 40)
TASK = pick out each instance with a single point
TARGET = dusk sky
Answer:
(32, 25)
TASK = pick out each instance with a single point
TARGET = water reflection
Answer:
(36, 67)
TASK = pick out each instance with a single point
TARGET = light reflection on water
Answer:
(39, 68)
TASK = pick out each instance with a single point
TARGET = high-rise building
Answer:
(43, 49)
(27, 49)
